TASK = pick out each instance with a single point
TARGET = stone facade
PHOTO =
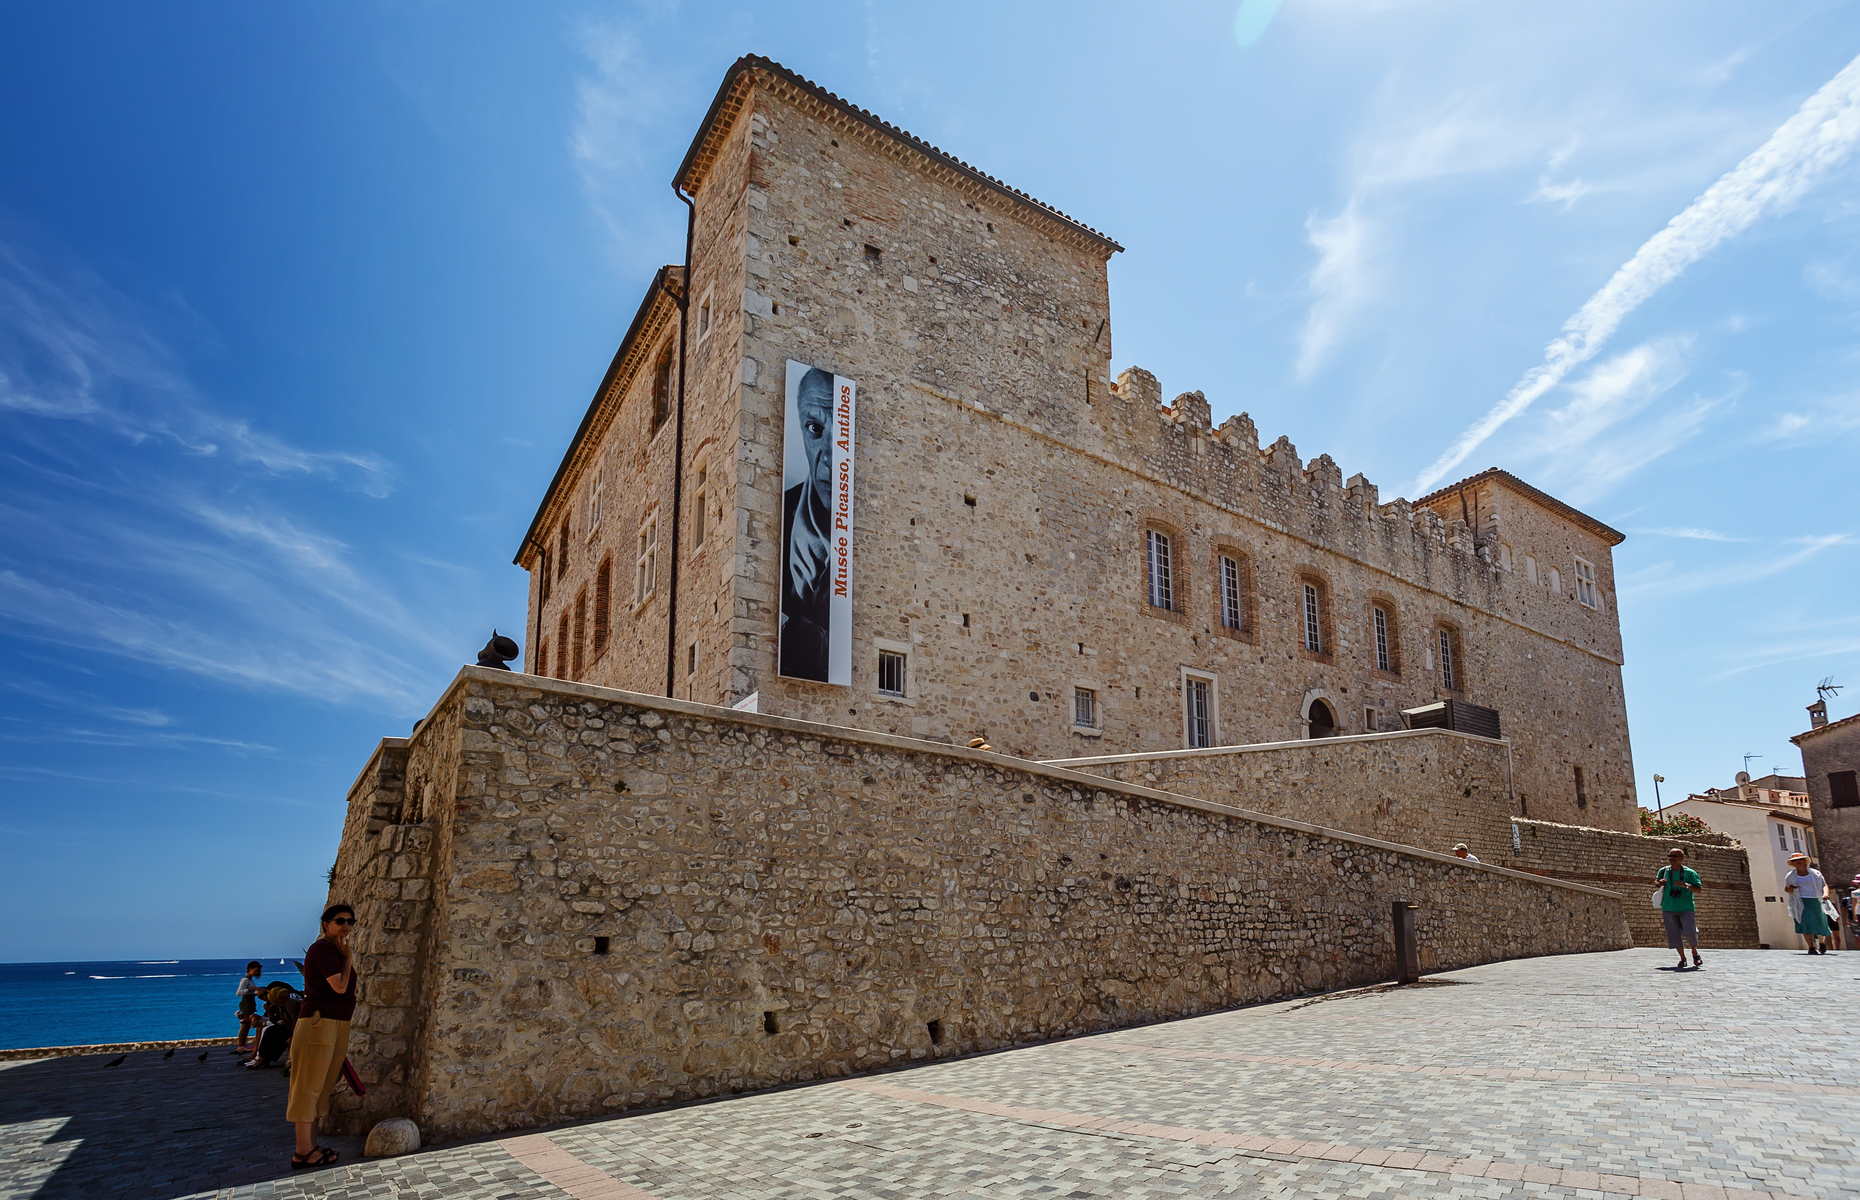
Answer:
(586, 901)
(1828, 751)
(1627, 863)
(1004, 490)
(1425, 787)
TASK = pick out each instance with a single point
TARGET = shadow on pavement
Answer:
(152, 1128)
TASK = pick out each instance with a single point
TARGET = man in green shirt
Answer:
(1678, 883)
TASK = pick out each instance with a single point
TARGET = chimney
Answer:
(1818, 714)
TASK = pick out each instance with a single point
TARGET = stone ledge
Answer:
(36, 1052)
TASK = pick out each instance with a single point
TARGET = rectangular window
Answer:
(546, 577)
(1843, 790)
(703, 317)
(541, 661)
(1585, 584)
(1795, 835)
(1556, 582)
(698, 501)
(581, 636)
(1582, 790)
(1198, 706)
(891, 673)
(1446, 660)
(1314, 635)
(603, 590)
(1782, 837)
(1085, 708)
(1230, 594)
(597, 488)
(1162, 588)
(691, 659)
(1530, 568)
(1382, 640)
(647, 564)
(1369, 720)
(561, 645)
(561, 557)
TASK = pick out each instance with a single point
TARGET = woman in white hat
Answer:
(1805, 887)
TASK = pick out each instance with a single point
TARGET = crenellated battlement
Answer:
(1273, 484)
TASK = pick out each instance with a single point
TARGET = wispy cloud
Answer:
(1820, 134)
(623, 125)
(1699, 535)
(72, 350)
(1661, 581)
(1337, 284)
(141, 522)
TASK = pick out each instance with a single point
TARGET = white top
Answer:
(247, 986)
(1808, 888)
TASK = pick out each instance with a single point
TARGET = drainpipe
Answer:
(678, 449)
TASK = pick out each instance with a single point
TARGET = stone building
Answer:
(1831, 764)
(1042, 556)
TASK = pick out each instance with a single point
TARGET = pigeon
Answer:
(203, 1056)
(170, 1053)
(117, 1061)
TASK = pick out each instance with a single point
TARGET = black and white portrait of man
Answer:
(806, 529)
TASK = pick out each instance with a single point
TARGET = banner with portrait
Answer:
(817, 527)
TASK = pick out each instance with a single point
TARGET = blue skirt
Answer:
(1812, 922)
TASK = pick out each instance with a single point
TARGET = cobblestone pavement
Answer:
(1584, 1076)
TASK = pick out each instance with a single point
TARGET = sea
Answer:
(90, 1003)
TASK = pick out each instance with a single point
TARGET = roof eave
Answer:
(640, 317)
(749, 63)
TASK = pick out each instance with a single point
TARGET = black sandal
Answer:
(320, 1156)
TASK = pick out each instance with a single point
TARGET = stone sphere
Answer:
(396, 1135)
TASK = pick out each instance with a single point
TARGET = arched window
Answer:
(581, 635)
(561, 645)
(662, 388)
(603, 591)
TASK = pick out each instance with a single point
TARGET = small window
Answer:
(645, 579)
(873, 255)
(545, 578)
(561, 645)
(541, 661)
(662, 389)
(1530, 568)
(1084, 708)
(1197, 711)
(1582, 790)
(691, 659)
(1843, 790)
(1161, 571)
(1369, 720)
(891, 673)
(1504, 556)
(1382, 638)
(1585, 584)
(561, 558)
(603, 589)
(1447, 677)
(597, 489)
(699, 499)
(1231, 614)
(581, 635)
(703, 317)
(1782, 837)
(1314, 632)
(1795, 835)
(1556, 582)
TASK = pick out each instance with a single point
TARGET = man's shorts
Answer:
(1681, 924)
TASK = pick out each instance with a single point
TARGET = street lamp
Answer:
(1661, 808)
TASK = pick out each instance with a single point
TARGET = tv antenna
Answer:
(1826, 688)
(1747, 759)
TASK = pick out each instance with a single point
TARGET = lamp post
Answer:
(1659, 807)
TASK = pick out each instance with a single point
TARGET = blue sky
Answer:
(300, 303)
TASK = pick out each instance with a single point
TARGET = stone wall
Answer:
(1833, 747)
(1424, 787)
(781, 901)
(1626, 863)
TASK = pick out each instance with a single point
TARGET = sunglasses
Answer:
(343, 921)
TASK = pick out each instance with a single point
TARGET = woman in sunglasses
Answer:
(321, 1040)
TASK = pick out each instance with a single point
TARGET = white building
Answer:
(1774, 812)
